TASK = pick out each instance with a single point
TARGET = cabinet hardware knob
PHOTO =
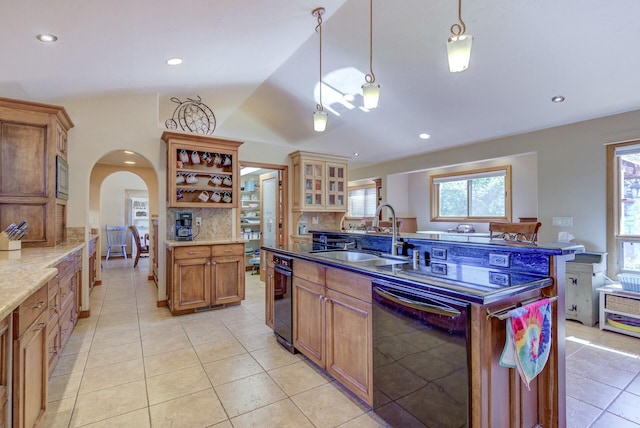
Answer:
(40, 326)
(38, 305)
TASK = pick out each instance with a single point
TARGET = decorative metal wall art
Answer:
(193, 116)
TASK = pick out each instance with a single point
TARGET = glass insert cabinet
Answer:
(320, 182)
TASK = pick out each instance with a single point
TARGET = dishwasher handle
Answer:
(439, 309)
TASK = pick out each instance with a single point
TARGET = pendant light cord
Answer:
(319, 31)
(458, 29)
(370, 77)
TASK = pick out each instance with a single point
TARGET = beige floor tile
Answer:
(137, 418)
(108, 403)
(626, 406)
(607, 374)
(170, 361)
(620, 342)
(59, 413)
(580, 414)
(70, 363)
(247, 394)
(78, 343)
(177, 384)
(65, 386)
(253, 342)
(574, 328)
(160, 345)
(225, 424)
(115, 338)
(203, 335)
(634, 386)
(115, 354)
(367, 420)
(230, 369)
(198, 410)
(595, 393)
(274, 356)
(328, 405)
(282, 414)
(297, 377)
(161, 330)
(222, 349)
(111, 375)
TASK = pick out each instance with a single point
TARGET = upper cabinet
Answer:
(201, 171)
(319, 182)
(31, 135)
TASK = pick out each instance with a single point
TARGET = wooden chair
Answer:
(116, 238)
(520, 232)
(139, 248)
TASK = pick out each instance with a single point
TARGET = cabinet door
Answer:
(269, 297)
(191, 283)
(228, 279)
(5, 363)
(336, 187)
(313, 183)
(309, 320)
(349, 347)
(30, 374)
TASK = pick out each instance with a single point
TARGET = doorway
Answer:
(263, 209)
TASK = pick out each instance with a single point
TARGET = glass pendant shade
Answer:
(459, 52)
(319, 121)
(370, 95)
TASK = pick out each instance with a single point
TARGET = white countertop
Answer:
(22, 272)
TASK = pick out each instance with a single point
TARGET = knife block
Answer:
(8, 245)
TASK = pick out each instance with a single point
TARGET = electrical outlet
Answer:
(562, 221)
(314, 219)
(198, 221)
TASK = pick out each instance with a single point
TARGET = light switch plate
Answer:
(562, 221)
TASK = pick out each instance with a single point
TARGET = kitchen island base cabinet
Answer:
(333, 324)
(269, 290)
(203, 276)
(5, 364)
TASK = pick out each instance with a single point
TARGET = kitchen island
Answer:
(451, 368)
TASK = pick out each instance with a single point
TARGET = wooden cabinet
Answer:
(154, 249)
(30, 358)
(5, 364)
(202, 172)
(30, 136)
(199, 276)
(93, 267)
(319, 182)
(333, 324)
(269, 284)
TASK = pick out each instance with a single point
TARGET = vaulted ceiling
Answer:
(259, 62)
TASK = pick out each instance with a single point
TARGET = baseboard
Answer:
(84, 314)
(162, 303)
(98, 282)
(150, 277)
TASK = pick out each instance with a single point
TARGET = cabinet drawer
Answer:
(350, 284)
(227, 250)
(65, 268)
(30, 310)
(309, 271)
(66, 290)
(53, 307)
(67, 321)
(196, 251)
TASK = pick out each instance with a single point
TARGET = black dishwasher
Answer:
(420, 360)
(283, 301)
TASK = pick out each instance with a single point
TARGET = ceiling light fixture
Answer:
(370, 92)
(128, 152)
(174, 61)
(557, 99)
(459, 45)
(424, 136)
(47, 38)
(130, 162)
(319, 116)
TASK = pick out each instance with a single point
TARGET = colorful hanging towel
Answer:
(528, 339)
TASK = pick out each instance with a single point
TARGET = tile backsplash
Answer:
(216, 223)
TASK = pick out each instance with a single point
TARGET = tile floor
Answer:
(132, 364)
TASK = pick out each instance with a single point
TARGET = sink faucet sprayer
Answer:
(394, 231)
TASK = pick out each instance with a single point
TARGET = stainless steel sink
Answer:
(359, 257)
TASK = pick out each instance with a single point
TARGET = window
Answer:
(626, 193)
(479, 195)
(362, 201)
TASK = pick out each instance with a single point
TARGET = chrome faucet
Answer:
(394, 231)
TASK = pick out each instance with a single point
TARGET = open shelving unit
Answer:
(616, 301)
(250, 227)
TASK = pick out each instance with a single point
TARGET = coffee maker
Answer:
(184, 231)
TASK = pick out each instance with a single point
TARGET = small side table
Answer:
(615, 300)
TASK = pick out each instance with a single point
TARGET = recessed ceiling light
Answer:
(130, 162)
(356, 154)
(47, 38)
(129, 152)
(174, 61)
(424, 136)
(557, 99)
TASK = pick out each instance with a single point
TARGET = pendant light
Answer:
(370, 92)
(319, 116)
(459, 45)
